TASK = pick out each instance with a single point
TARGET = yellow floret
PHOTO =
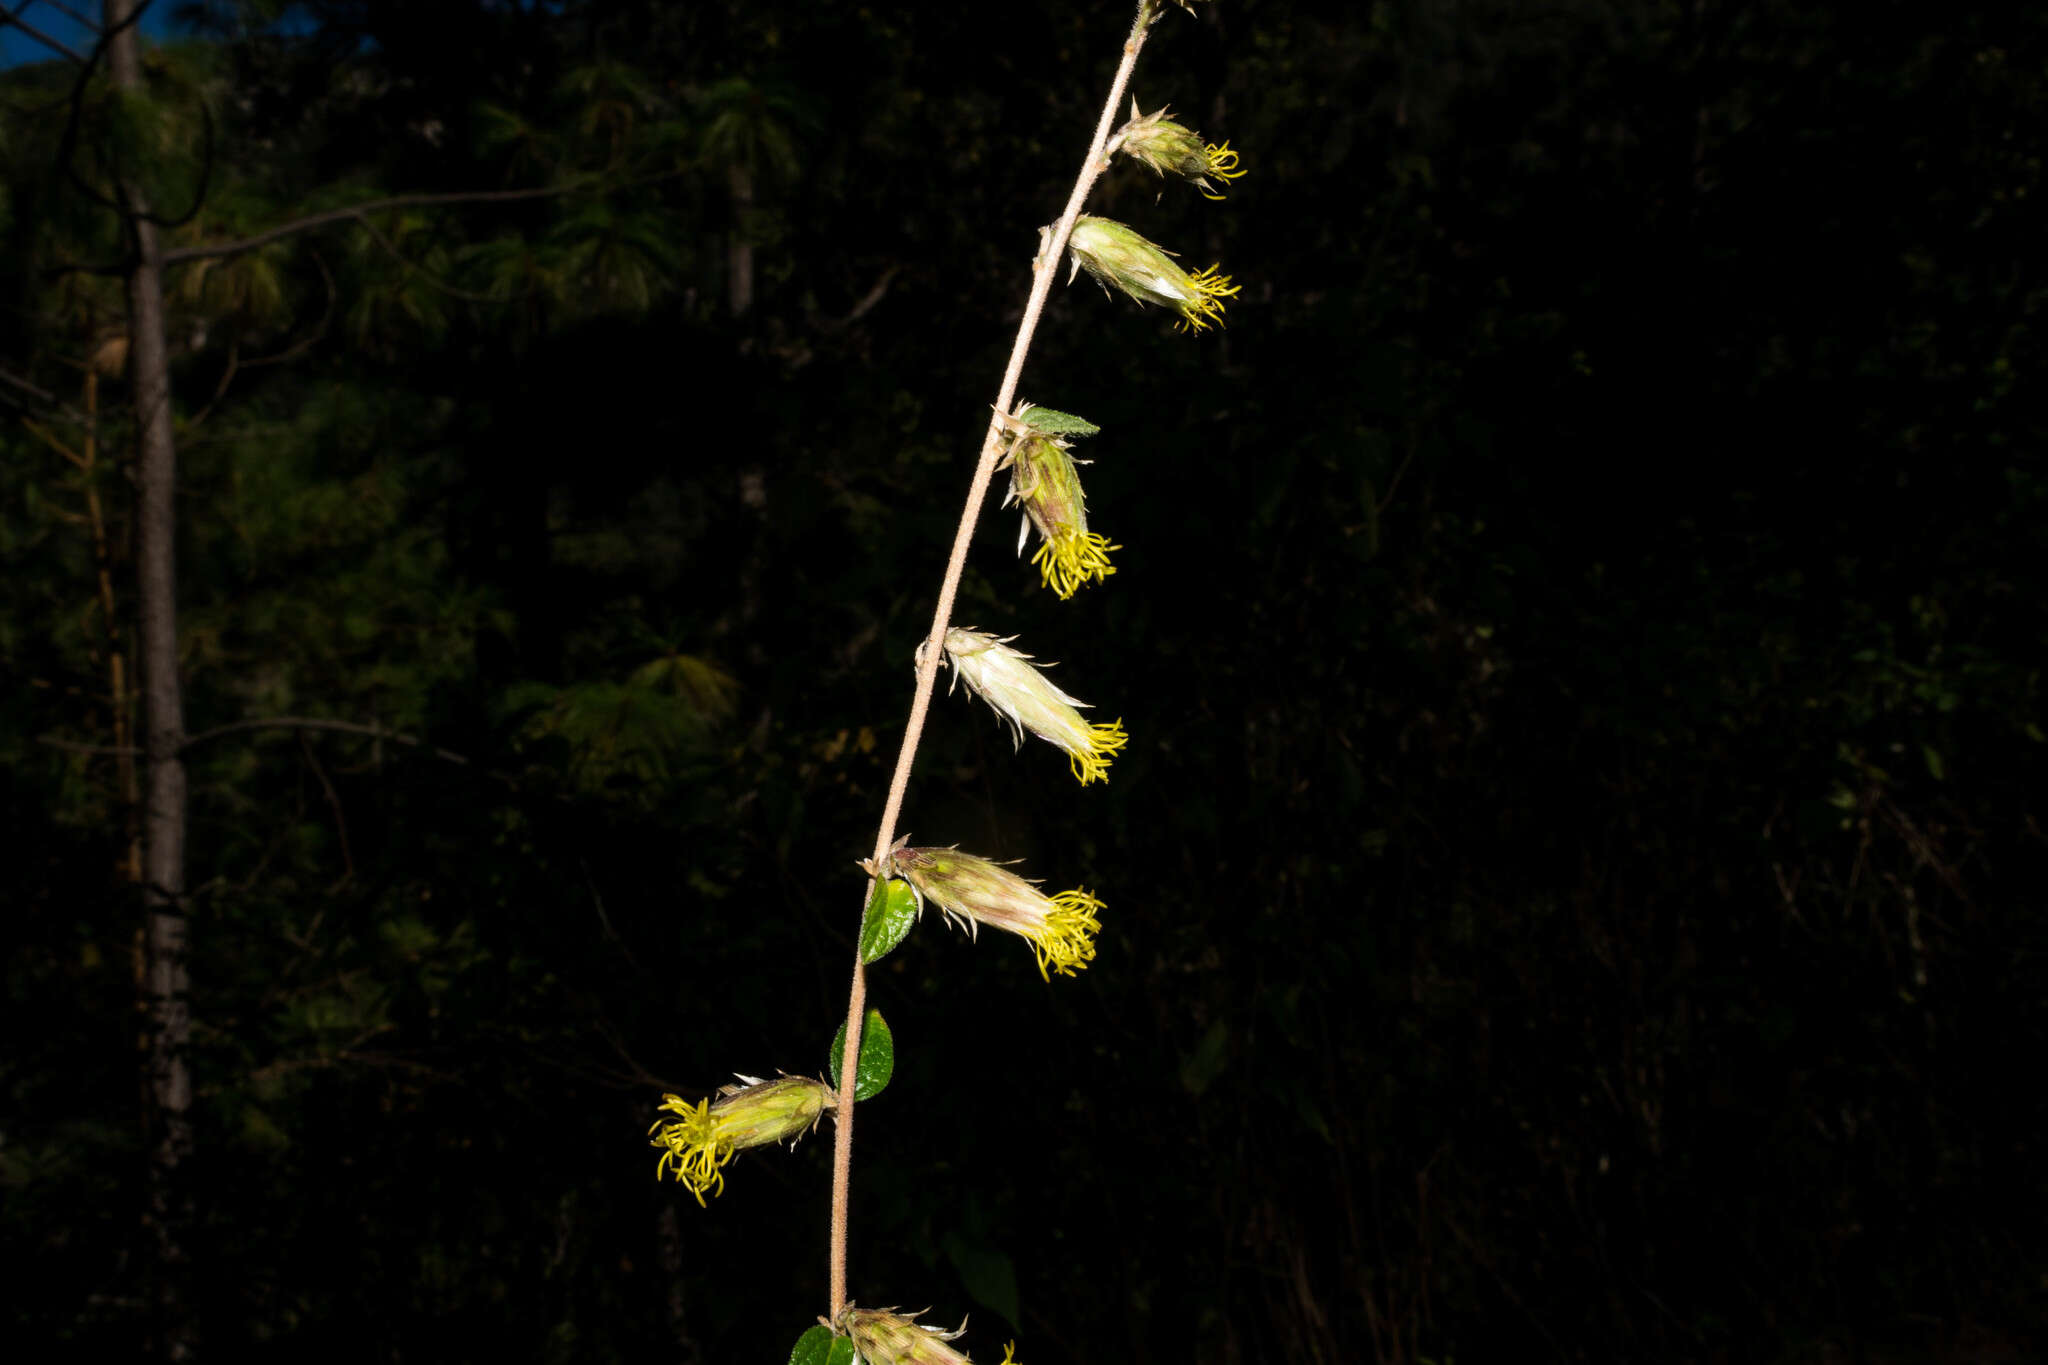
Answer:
(1103, 740)
(695, 1148)
(1067, 944)
(1068, 562)
(1206, 305)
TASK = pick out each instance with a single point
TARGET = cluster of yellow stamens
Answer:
(693, 1147)
(1205, 305)
(1222, 165)
(1067, 942)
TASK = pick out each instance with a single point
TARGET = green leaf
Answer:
(1057, 423)
(819, 1346)
(814, 1347)
(877, 1056)
(890, 913)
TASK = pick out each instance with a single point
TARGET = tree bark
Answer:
(166, 1001)
(739, 249)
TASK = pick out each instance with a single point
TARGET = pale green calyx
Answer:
(886, 1337)
(1117, 256)
(1021, 694)
(1171, 149)
(704, 1136)
(974, 891)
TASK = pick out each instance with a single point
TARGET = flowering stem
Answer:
(1043, 270)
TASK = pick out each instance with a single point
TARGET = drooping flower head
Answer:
(974, 891)
(885, 1337)
(1007, 680)
(707, 1134)
(1117, 256)
(1045, 482)
(1171, 149)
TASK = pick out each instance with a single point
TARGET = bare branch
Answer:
(68, 144)
(87, 21)
(312, 339)
(876, 293)
(45, 39)
(227, 377)
(344, 727)
(348, 858)
(50, 400)
(74, 747)
(44, 434)
(217, 250)
(432, 280)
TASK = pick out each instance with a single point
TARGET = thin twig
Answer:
(402, 201)
(312, 339)
(348, 859)
(346, 727)
(192, 742)
(1044, 268)
(433, 281)
(68, 143)
(55, 404)
(81, 18)
(45, 39)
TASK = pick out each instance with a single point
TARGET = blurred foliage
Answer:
(1572, 887)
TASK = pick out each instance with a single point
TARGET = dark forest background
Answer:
(1574, 885)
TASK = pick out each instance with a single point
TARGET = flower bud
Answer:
(974, 891)
(709, 1133)
(1117, 256)
(1007, 680)
(1045, 482)
(883, 1337)
(1171, 149)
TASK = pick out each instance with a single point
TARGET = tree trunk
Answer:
(739, 251)
(165, 999)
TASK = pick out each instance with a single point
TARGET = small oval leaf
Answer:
(890, 913)
(877, 1059)
(841, 1352)
(814, 1347)
(1057, 423)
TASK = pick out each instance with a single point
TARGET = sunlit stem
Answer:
(928, 664)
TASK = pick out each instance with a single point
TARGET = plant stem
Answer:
(1044, 268)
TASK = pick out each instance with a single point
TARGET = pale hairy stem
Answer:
(1044, 268)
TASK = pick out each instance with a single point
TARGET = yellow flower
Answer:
(885, 1337)
(1045, 482)
(1115, 255)
(706, 1135)
(1169, 148)
(1007, 680)
(974, 891)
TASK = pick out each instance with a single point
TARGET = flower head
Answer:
(707, 1134)
(1045, 482)
(1115, 255)
(885, 1337)
(1007, 680)
(1171, 149)
(974, 891)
